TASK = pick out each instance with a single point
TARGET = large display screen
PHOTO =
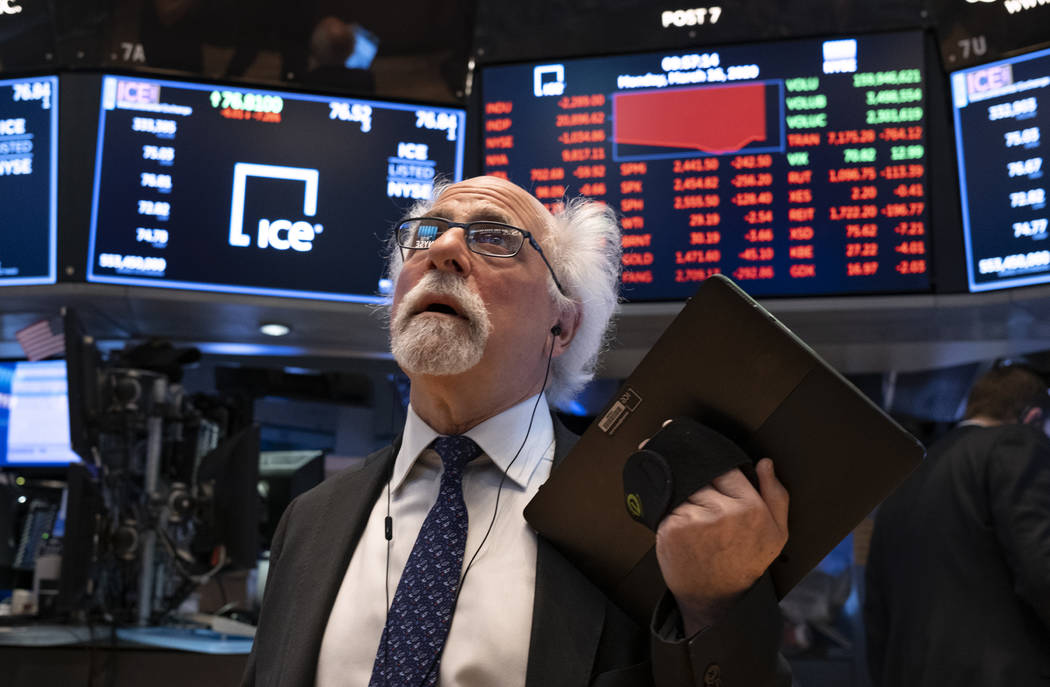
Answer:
(1001, 110)
(981, 30)
(243, 190)
(795, 167)
(28, 169)
(34, 414)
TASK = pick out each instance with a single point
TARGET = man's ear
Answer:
(568, 323)
(1033, 416)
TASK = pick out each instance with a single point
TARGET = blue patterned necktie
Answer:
(421, 613)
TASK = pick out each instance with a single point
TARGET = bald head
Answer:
(500, 195)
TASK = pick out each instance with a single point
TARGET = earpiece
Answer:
(556, 330)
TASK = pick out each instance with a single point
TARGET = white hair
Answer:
(583, 247)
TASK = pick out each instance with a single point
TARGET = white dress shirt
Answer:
(488, 643)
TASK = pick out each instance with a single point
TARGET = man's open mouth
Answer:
(442, 309)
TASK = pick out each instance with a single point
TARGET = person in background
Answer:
(958, 577)
(332, 41)
(500, 307)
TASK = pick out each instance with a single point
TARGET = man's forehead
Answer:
(493, 199)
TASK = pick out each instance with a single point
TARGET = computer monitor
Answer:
(1001, 110)
(84, 384)
(231, 472)
(28, 180)
(79, 527)
(283, 475)
(246, 190)
(795, 167)
(34, 415)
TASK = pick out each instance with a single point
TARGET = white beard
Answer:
(434, 343)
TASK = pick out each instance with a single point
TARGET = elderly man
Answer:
(497, 303)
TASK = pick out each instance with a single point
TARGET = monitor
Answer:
(231, 471)
(283, 475)
(78, 525)
(28, 171)
(84, 384)
(984, 30)
(233, 189)
(1000, 110)
(794, 167)
(366, 45)
(34, 415)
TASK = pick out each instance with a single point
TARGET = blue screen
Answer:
(1001, 109)
(34, 414)
(264, 192)
(793, 167)
(28, 167)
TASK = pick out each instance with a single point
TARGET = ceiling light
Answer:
(274, 329)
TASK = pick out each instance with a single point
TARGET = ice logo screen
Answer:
(548, 79)
(280, 234)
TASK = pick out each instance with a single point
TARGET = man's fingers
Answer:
(733, 484)
(723, 491)
(705, 497)
(773, 492)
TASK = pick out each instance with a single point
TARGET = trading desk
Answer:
(41, 656)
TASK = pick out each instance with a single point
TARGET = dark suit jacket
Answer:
(578, 636)
(958, 586)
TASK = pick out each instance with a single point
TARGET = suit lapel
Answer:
(332, 543)
(568, 612)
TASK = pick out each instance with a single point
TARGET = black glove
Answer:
(682, 457)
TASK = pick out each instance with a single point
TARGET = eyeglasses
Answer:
(494, 239)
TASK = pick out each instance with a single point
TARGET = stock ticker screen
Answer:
(242, 190)
(28, 169)
(794, 167)
(1000, 110)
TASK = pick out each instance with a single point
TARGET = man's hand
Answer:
(720, 541)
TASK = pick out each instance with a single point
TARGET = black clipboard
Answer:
(730, 364)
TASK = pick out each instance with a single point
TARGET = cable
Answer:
(388, 531)
(503, 479)
(388, 522)
(495, 510)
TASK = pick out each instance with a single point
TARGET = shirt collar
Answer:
(499, 437)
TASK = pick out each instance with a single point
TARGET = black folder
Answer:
(730, 364)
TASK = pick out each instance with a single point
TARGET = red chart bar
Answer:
(713, 119)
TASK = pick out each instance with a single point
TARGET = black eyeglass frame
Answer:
(466, 226)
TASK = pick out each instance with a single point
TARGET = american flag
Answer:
(43, 339)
